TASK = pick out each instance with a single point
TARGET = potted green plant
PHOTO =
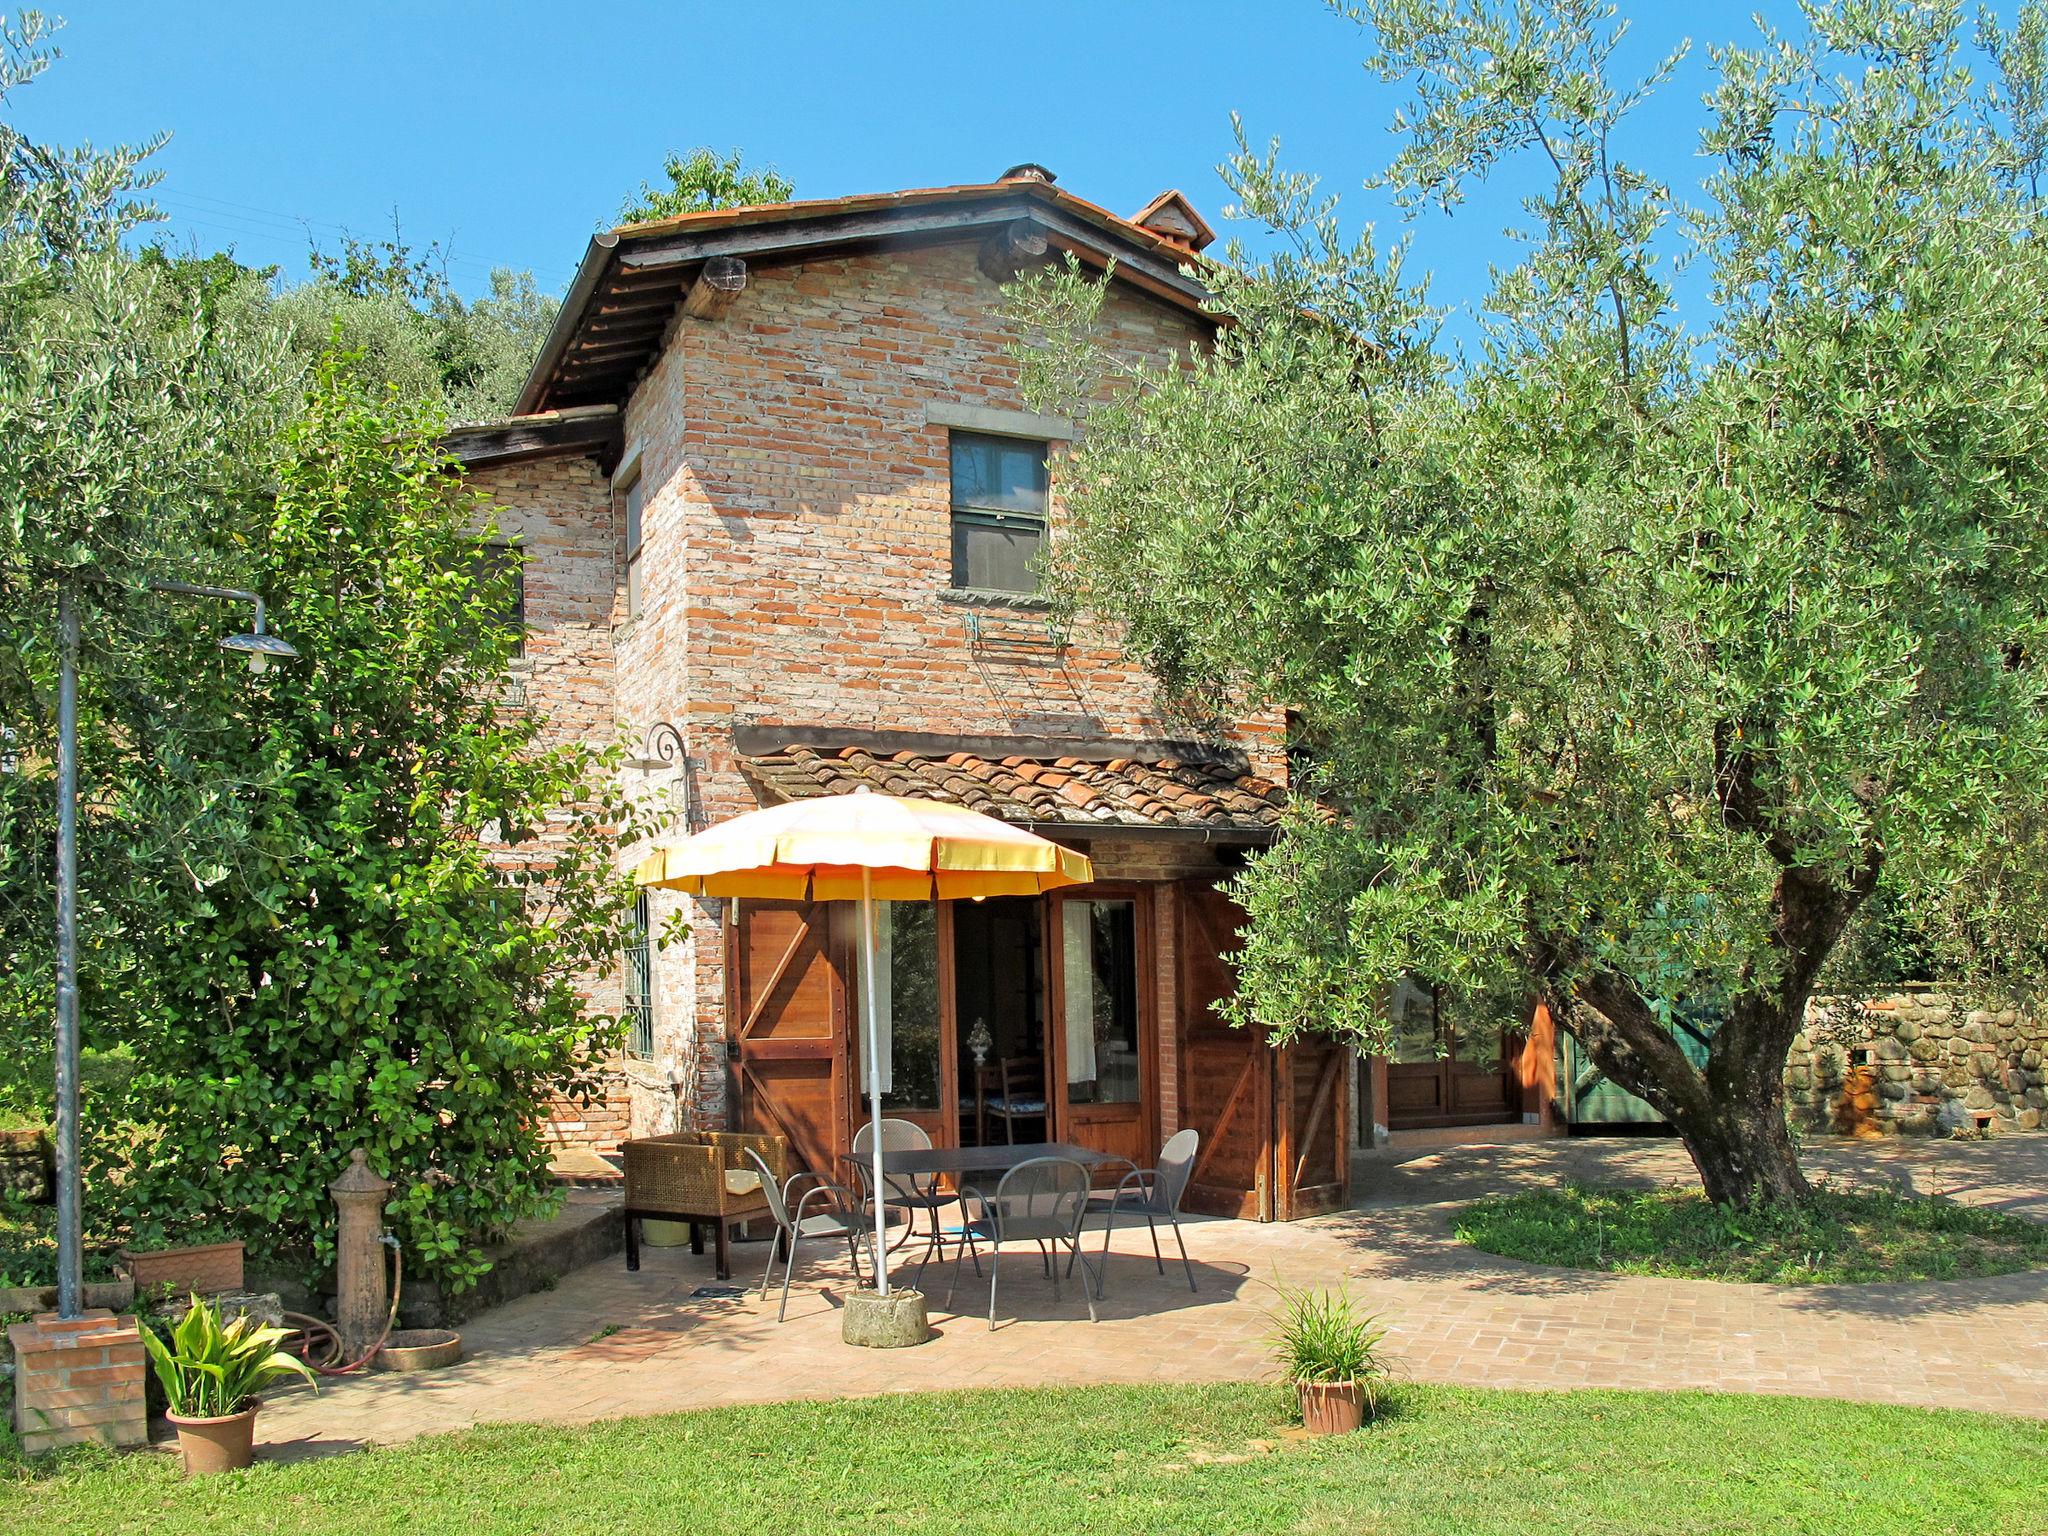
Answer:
(211, 1376)
(1330, 1350)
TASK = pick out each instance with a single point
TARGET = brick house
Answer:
(778, 498)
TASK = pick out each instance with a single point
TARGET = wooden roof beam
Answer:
(1012, 248)
(723, 279)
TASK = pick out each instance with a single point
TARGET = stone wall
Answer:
(1919, 1060)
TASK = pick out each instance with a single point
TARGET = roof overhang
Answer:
(632, 279)
(592, 430)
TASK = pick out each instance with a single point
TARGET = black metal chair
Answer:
(1039, 1201)
(843, 1217)
(1155, 1192)
(906, 1194)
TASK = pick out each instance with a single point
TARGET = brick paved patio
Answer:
(1457, 1316)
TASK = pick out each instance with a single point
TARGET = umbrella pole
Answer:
(867, 970)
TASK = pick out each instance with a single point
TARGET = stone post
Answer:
(362, 1297)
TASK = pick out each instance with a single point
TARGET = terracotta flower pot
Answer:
(204, 1268)
(224, 1444)
(1331, 1407)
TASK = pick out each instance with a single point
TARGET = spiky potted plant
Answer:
(212, 1375)
(1330, 1350)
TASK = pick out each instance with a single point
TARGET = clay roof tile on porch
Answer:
(1217, 798)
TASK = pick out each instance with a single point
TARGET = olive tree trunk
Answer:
(1731, 1114)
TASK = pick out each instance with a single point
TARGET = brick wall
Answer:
(77, 1380)
(559, 511)
(798, 558)
(798, 537)
(602, 1121)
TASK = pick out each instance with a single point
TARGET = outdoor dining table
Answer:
(923, 1166)
(929, 1162)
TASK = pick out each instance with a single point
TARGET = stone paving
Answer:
(608, 1344)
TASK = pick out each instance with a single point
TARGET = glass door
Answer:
(1449, 1060)
(999, 1010)
(908, 1012)
(1103, 1031)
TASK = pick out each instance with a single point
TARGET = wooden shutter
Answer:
(788, 1029)
(1226, 1075)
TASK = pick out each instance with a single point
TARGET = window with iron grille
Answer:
(639, 983)
(503, 567)
(998, 512)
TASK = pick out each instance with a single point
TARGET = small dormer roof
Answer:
(1173, 218)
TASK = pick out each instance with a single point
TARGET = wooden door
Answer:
(1312, 1147)
(1452, 1062)
(1226, 1075)
(787, 1028)
(1102, 1056)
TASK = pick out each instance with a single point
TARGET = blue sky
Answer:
(511, 130)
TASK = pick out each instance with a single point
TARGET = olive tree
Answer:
(1628, 646)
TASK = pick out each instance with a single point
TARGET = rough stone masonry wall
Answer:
(1919, 1060)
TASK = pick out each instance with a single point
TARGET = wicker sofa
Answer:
(699, 1177)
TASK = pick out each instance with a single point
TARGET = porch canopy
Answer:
(864, 847)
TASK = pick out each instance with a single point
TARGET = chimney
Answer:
(1173, 219)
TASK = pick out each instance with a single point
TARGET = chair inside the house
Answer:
(1019, 1095)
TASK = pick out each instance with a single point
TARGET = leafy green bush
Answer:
(350, 963)
(1839, 1235)
(28, 1246)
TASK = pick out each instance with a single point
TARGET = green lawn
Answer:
(1840, 1236)
(1153, 1460)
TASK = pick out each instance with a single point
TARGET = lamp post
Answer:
(260, 647)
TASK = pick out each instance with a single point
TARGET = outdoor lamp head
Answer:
(260, 649)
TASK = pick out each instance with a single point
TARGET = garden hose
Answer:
(308, 1326)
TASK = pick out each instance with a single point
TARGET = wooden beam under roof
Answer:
(629, 277)
(1010, 248)
(593, 430)
(721, 281)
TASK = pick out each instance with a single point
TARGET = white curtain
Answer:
(1077, 952)
(885, 973)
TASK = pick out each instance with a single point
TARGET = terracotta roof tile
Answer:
(1125, 791)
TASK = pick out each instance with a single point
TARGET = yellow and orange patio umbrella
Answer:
(865, 847)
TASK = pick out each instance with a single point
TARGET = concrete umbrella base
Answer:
(875, 1321)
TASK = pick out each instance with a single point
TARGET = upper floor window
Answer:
(633, 497)
(490, 563)
(998, 512)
